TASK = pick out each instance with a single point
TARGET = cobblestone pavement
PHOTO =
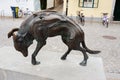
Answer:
(94, 32)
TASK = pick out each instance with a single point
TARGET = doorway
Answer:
(58, 6)
(117, 11)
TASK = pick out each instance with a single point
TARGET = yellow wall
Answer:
(103, 6)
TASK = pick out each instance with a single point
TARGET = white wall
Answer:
(36, 5)
(23, 4)
(33, 5)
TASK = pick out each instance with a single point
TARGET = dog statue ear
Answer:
(12, 32)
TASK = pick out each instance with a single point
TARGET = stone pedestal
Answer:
(13, 66)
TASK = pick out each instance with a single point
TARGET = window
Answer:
(88, 3)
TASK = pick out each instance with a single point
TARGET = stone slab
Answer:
(51, 66)
(13, 75)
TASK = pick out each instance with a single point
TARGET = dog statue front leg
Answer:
(39, 46)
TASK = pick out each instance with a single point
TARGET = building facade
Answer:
(93, 8)
(32, 5)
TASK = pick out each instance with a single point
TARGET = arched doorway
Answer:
(57, 3)
(116, 13)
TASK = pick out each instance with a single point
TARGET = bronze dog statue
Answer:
(44, 24)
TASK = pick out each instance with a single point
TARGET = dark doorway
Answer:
(117, 11)
(43, 4)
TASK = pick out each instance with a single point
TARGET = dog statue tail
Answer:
(88, 50)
